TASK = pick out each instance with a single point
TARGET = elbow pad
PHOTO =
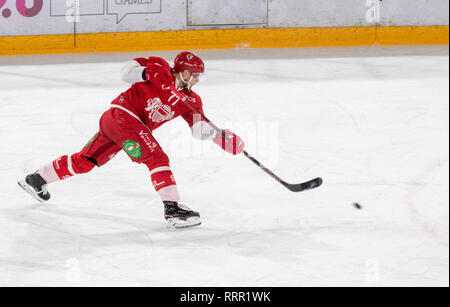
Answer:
(203, 131)
(133, 72)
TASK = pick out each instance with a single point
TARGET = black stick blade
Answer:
(309, 185)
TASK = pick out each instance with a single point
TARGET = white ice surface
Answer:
(373, 122)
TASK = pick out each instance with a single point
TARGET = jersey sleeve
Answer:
(142, 61)
(198, 122)
(132, 72)
(192, 117)
(152, 60)
(136, 70)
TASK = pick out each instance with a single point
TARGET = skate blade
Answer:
(176, 223)
(27, 188)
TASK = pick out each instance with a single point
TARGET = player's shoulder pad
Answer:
(153, 60)
(142, 61)
(160, 61)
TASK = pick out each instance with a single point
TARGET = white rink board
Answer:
(36, 17)
(373, 122)
(414, 13)
(231, 12)
(318, 13)
(358, 13)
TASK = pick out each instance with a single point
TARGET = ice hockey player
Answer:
(158, 95)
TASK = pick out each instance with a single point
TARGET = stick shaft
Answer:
(265, 169)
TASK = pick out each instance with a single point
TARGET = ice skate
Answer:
(36, 186)
(180, 216)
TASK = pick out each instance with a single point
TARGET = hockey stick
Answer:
(300, 187)
(308, 185)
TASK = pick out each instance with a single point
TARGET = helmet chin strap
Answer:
(186, 82)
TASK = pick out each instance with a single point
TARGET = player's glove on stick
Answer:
(231, 143)
(158, 74)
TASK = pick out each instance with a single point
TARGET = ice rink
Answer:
(372, 121)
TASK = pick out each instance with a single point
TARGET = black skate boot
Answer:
(180, 216)
(36, 186)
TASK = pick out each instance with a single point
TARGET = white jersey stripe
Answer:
(126, 110)
(69, 165)
(159, 169)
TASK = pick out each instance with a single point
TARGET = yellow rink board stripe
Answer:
(224, 39)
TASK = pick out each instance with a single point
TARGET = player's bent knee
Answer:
(82, 164)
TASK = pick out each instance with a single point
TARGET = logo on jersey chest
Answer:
(159, 112)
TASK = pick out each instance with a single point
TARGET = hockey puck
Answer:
(357, 206)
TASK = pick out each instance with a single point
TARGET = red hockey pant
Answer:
(121, 131)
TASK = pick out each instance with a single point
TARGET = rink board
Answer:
(224, 39)
(52, 17)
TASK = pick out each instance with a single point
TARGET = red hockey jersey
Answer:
(156, 105)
